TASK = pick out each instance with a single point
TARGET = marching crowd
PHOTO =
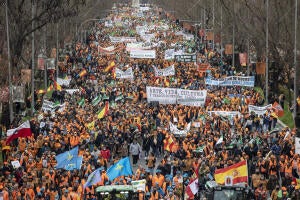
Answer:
(132, 126)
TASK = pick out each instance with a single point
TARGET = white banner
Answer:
(169, 54)
(297, 145)
(47, 105)
(128, 74)
(177, 132)
(259, 110)
(143, 54)
(175, 95)
(191, 97)
(162, 95)
(107, 50)
(231, 81)
(71, 91)
(147, 37)
(169, 71)
(65, 82)
(229, 114)
(135, 46)
(139, 185)
(122, 39)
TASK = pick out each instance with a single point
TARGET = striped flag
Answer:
(57, 86)
(169, 143)
(192, 188)
(50, 88)
(82, 73)
(110, 66)
(104, 111)
(81, 102)
(96, 100)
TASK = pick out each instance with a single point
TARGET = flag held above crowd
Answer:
(238, 172)
(69, 160)
(23, 130)
(121, 168)
(93, 178)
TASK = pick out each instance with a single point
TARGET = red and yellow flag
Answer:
(57, 86)
(104, 111)
(83, 73)
(110, 66)
(169, 143)
(50, 88)
(238, 172)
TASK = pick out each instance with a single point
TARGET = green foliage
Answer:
(287, 119)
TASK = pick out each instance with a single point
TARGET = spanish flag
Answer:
(50, 88)
(238, 173)
(83, 73)
(104, 111)
(110, 66)
(57, 86)
(168, 143)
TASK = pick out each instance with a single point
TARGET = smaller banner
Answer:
(229, 114)
(107, 50)
(247, 81)
(210, 36)
(71, 91)
(18, 94)
(139, 185)
(243, 59)
(169, 71)
(26, 75)
(65, 82)
(259, 110)
(47, 105)
(134, 46)
(128, 74)
(143, 54)
(177, 132)
(122, 39)
(228, 49)
(261, 68)
(186, 58)
(41, 64)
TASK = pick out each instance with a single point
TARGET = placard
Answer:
(169, 71)
(247, 81)
(143, 54)
(186, 58)
(128, 74)
(191, 97)
(259, 110)
(162, 95)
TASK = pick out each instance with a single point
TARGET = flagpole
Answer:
(32, 60)
(11, 112)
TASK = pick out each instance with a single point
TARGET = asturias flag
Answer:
(238, 172)
(23, 130)
(93, 178)
(121, 168)
(69, 160)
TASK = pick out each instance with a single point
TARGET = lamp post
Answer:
(32, 60)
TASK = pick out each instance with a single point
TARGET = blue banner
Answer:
(247, 81)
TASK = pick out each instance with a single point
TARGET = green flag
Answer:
(81, 102)
(96, 100)
(119, 97)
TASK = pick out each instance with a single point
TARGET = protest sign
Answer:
(177, 132)
(128, 74)
(162, 95)
(143, 54)
(169, 71)
(65, 82)
(186, 58)
(191, 97)
(139, 185)
(232, 81)
(71, 91)
(259, 110)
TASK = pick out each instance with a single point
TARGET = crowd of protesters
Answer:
(133, 127)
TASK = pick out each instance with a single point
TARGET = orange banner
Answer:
(228, 49)
(260, 68)
(243, 59)
(210, 36)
